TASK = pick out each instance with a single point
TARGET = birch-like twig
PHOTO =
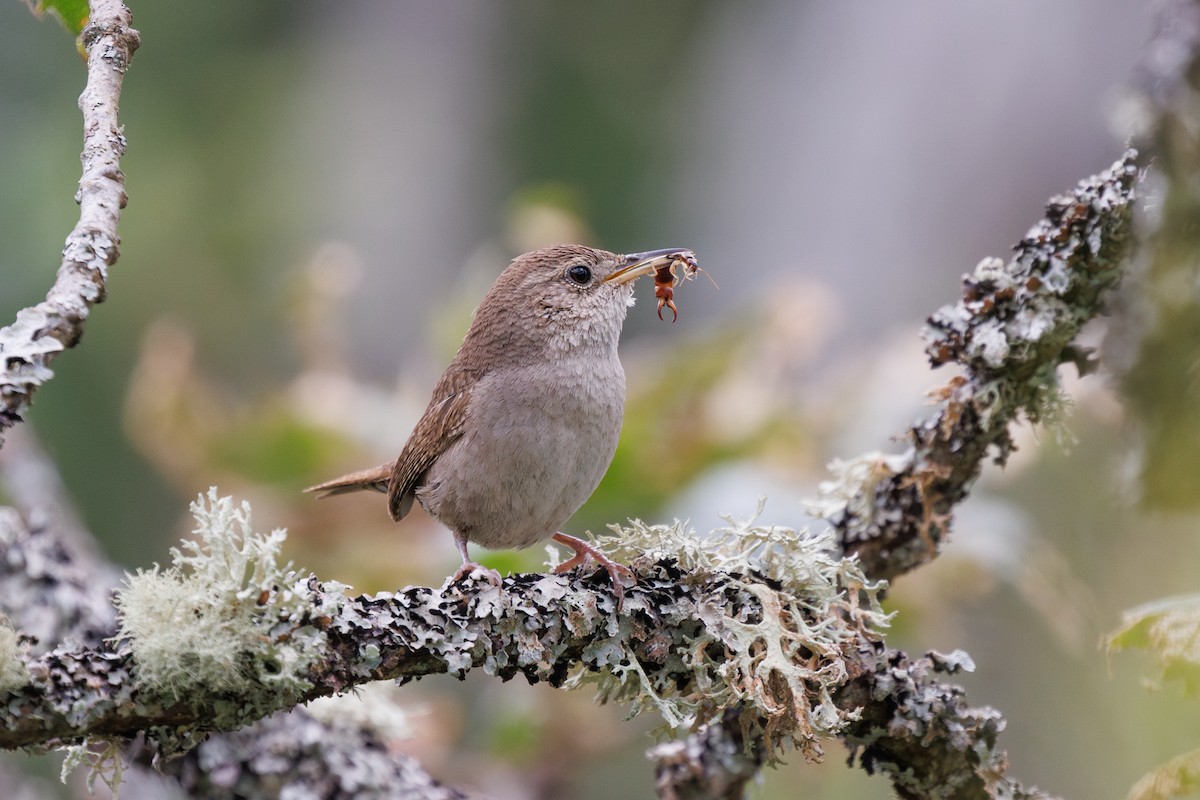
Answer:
(30, 343)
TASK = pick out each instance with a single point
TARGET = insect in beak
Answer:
(663, 265)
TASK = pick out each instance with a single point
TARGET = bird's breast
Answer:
(536, 443)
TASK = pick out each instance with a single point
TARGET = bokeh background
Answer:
(321, 192)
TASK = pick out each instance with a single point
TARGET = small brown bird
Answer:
(524, 422)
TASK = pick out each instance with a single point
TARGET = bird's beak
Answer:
(639, 264)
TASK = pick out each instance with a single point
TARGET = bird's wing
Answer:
(439, 427)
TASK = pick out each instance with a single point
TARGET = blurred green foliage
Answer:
(667, 442)
(1170, 630)
(1162, 383)
(276, 449)
(73, 14)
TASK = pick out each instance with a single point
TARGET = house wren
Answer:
(524, 422)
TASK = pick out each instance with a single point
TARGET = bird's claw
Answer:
(619, 574)
(470, 569)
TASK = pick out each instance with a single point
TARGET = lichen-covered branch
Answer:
(297, 755)
(713, 761)
(908, 725)
(32, 482)
(30, 343)
(544, 628)
(706, 647)
(923, 735)
(46, 592)
(55, 595)
(1008, 335)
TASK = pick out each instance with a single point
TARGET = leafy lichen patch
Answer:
(779, 618)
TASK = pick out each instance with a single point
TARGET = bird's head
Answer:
(566, 296)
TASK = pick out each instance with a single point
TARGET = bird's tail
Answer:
(375, 479)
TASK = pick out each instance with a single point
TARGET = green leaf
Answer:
(73, 14)
(1170, 630)
(1178, 777)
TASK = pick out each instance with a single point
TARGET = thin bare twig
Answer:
(29, 344)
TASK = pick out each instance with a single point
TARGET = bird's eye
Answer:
(579, 274)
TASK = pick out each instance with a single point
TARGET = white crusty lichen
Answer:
(782, 616)
(13, 673)
(226, 616)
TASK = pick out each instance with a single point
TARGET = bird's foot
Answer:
(619, 574)
(470, 568)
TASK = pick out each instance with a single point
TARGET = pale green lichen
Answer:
(101, 757)
(207, 623)
(13, 673)
(780, 645)
(1044, 403)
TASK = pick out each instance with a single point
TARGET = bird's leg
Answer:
(468, 566)
(617, 573)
